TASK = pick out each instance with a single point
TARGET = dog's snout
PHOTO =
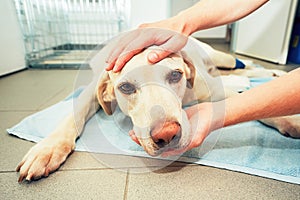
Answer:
(168, 132)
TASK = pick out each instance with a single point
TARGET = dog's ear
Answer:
(190, 70)
(105, 94)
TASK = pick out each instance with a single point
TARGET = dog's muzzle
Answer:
(166, 134)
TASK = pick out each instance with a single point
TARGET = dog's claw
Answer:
(29, 177)
(18, 168)
(42, 159)
(47, 172)
(21, 178)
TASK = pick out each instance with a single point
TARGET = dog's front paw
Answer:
(287, 126)
(43, 158)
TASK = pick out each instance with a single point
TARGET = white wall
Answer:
(142, 11)
(12, 57)
(217, 32)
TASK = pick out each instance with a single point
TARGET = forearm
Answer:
(211, 13)
(276, 98)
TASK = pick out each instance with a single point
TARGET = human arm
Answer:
(278, 97)
(203, 15)
(208, 14)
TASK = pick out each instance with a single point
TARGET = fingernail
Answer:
(152, 57)
(109, 67)
(115, 69)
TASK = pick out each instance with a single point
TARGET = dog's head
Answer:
(151, 95)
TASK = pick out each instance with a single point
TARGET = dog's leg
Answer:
(287, 126)
(51, 152)
(215, 57)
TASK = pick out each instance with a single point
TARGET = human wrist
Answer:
(218, 115)
(183, 25)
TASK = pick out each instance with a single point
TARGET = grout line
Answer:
(18, 110)
(126, 185)
(84, 169)
(7, 171)
(40, 107)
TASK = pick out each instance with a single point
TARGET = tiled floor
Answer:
(84, 177)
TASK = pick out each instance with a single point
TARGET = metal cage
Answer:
(62, 33)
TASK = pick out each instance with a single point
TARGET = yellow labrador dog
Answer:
(152, 96)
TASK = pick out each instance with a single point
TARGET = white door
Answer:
(265, 34)
(12, 57)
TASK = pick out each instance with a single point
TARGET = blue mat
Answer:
(249, 147)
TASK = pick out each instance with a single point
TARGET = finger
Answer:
(114, 54)
(171, 45)
(177, 152)
(195, 142)
(145, 25)
(191, 111)
(199, 133)
(156, 56)
(123, 59)
(199, 108)
(136, 46)
(120, 44)
(113, 58)
(133, 137)
(110, 66)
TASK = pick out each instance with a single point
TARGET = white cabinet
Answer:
(12, 57)
(265, 34)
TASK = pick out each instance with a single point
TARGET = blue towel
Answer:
(247, 147)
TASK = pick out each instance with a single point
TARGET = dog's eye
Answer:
(175, 76)
(127, 88)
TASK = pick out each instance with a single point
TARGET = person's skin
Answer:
(133, 42)
(279, 97)
(203, 15)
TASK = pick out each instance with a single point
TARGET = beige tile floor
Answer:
(84, 177)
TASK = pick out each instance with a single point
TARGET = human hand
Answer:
(134, 42)
(204, 118)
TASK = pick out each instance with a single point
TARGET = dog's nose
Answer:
(168, 132)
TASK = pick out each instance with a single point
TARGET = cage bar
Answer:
(62, 33)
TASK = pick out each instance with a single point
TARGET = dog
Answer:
(152, 95)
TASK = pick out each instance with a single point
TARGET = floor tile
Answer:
(199, 182)
(78, 184)
(12, 148)
(135, 163)
(30, 89)
(78, 78)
